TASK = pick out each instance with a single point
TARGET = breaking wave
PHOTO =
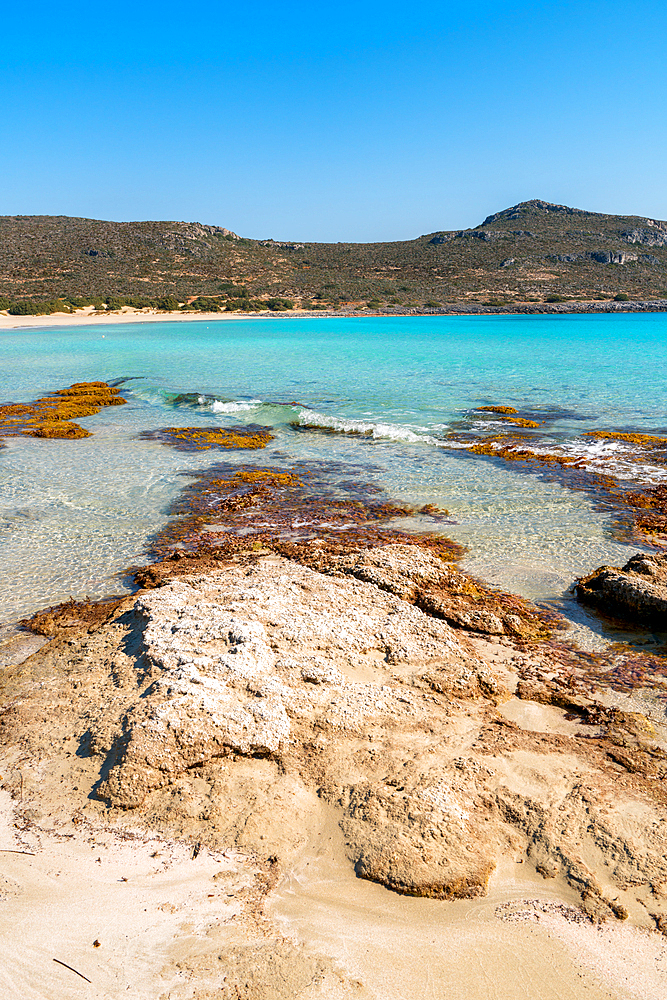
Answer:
(629, 462)
(312, 420)
(232, 406)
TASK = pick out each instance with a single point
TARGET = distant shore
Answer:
(90, 316)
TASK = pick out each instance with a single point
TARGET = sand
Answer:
(90, 317)
(161, 918)
(144, 901)
(525, 939)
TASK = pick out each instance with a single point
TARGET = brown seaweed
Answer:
(251, 436)
(509, 415)
(54, 415)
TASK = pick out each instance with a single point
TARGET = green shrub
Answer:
(205, 304)
(432, 304)
(554, 298)
(244, 305)
(621, 297)
(168, 303)
(279, 305)
(24, 309)
(32, 307)
(79, 301)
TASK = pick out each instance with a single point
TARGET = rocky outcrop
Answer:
(240, 659)
(416, 836)
(613, 257)
(636, 592)
(654, 237)
(415, 575)
(243, 707)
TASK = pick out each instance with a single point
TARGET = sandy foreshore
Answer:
(91, 317)
(256, 779)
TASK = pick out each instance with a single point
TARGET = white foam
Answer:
(610, 458)
(235, 406)
(365, 428)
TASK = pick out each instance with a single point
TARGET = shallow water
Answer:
(74, 514)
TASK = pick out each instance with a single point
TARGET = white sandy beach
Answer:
(91, 317)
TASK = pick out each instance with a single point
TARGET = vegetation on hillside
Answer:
(532, 252)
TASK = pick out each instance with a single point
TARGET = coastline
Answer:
(274, 751)
(89, 316)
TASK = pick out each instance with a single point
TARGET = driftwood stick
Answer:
(66, 966)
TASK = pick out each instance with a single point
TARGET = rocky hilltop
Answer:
(530, 254)
(264, 706)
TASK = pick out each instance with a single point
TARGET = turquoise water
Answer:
(74, 514)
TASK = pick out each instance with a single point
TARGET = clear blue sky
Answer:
(354, 121)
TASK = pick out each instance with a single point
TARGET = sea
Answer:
(392, 401)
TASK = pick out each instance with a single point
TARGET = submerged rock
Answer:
(251, 437)
(54, 416)
(636, 591)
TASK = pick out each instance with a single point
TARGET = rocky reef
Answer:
(54, 415)
(233, 506)
(250, 436)
(604, 473)
(509, 414)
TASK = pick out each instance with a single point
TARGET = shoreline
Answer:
(259, 761)
(89, 316)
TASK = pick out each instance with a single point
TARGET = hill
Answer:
(531, 252)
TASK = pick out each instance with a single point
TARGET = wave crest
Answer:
(312, 420)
